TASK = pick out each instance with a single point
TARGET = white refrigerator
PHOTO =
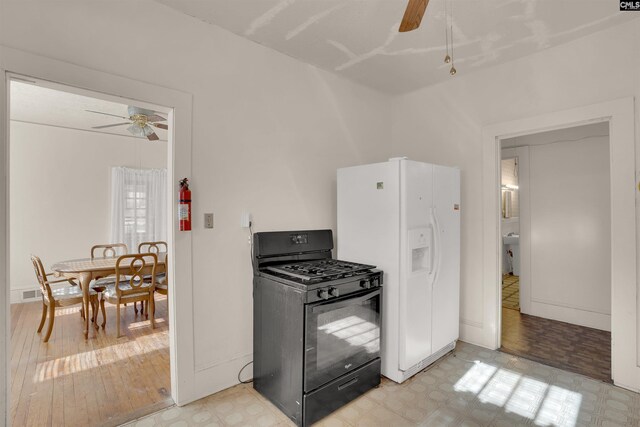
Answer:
(404, 217)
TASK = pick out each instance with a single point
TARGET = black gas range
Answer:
(316, 324)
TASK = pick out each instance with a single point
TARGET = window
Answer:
(138, 206)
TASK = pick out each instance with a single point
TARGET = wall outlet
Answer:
(245, 220)
(208, 220)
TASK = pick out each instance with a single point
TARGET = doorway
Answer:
(556, 248)
(625, 324)
(66, 149)
(16, 63)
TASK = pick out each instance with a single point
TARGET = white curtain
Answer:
(138, 206)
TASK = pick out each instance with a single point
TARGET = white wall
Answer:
(570, 231)
(448, 118)
(511, 147)
(269, 133)
(60, 180)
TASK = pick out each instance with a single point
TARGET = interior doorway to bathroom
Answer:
(510, 206)
(556, 248)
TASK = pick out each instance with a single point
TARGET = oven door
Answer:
(340, 336)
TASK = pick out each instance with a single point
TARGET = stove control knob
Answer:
(334, 292)
(365, 284)
(322, 293)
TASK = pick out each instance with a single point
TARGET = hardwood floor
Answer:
(101, 381)
(574, 348)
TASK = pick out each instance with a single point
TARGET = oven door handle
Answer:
(328, 306)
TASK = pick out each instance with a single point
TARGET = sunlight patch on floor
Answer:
(86, 360)
(144, 324)
(527, 397)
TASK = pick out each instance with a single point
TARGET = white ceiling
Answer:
(36, 103)
(359, 39)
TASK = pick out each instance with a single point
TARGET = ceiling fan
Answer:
(140, 121)
(413, 15)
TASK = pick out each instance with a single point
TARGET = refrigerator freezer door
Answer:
(368, 215)
(446, 286)
(368, 224)
(416, 201)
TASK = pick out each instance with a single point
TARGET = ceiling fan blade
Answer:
(155, 118)
(160, 125)
(413, 15)
(152, 137)
(107, 114)
(110, 126)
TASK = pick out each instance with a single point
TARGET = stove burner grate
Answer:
(320, 269)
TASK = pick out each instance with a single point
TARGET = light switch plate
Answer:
(208, 220)
(245, 219)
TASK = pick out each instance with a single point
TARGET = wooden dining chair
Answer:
(162, 284)
(58, 297)
(152, 247)
(130, 285)
(109, 250)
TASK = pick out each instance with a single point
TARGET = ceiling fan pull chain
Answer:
(453, 70)
(447, 59)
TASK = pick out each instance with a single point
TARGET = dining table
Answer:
(84, 270)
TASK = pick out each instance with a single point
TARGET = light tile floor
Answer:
(472, 387)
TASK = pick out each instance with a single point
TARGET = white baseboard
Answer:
(627, 387)
(472, 332)
(16, 295)
(215, 377)
(572, 315)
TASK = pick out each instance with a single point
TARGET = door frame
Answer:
(625, 327)
(181, 333)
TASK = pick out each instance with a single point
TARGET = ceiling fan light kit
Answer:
(140, 121)
(138, 130)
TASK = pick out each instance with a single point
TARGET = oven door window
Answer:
(341, 335)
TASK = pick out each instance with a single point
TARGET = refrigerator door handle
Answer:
(432, 248)
(436, 250)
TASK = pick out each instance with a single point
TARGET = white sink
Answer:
(514, 239)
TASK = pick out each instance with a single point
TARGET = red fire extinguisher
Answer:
(184, 206)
